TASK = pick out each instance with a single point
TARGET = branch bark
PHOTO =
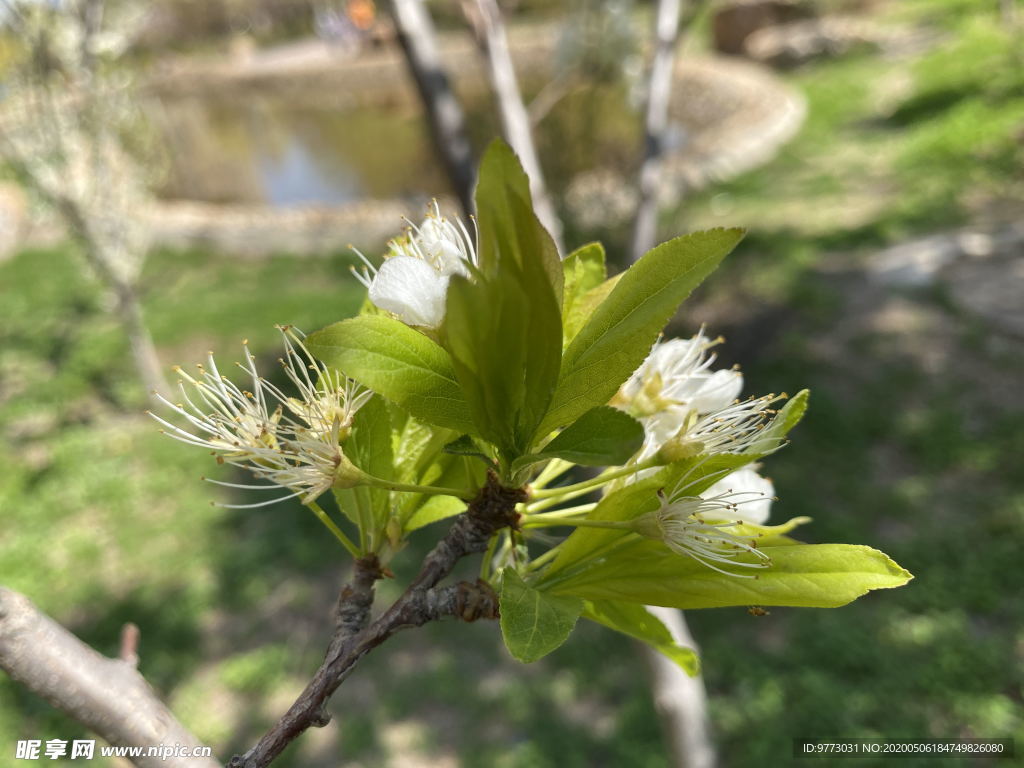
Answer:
(422, 601)
(447, 122)
(484, 17)
(108, 696)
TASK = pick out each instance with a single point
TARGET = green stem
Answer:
(538, 561)
(548, 522)
(552, 471)
(595, 482)
(572, 570)
(535, 507)
(580, 509)
(485, 564)
(346, 542)
(433, 490)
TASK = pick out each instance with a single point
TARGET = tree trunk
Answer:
(485, 17)
(447, 122)
(147, 362)
(659, 91)
(680, 699)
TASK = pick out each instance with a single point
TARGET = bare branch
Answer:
(129, 650)
(422, 601)
(107, 696)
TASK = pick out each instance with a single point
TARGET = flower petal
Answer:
(755, 502)
(411, 289)
(717, 391)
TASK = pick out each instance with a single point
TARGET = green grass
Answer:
(912, 444)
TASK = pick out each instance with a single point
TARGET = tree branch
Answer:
(422, 601)
(107, 696)
(444, 113)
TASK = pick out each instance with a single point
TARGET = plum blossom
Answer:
(294, 442)
(758, 492)
(412, 283)
(679, 399)
(697, 527)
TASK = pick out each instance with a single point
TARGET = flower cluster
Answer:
(412, 283)
(294, 442)
(688, 409)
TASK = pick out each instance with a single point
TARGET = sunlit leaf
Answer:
(534, 623)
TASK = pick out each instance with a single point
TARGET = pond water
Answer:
(267, 150)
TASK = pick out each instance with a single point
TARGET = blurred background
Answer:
(182, 174)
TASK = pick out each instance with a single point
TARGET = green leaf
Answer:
(467, 446)
(449, 471)
(534, 623)
(620, 332)
(788, 417)
(433, 509)
(369, 447)
(397, 362)
(502, 192)
(636, 621)
(503, 329)
(583, 269)
(576, 316)
(625, 503)
(810, 575)
(415, 444)
(602, 436)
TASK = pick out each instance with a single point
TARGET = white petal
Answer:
(756, 499)
(440, 241)
(716, 391)
(661, 427)
(412, 289)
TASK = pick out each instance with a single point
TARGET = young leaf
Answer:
(433, 509)
(620, 332)
(448, 471)
(467, 446)
(502, 191)
(625, 503)
(534, 623)
(602, 436)
(809, 575)
(503, 329)
(788, 417)
(583, 269)
(397, 362)
(577, 315)
(636, 621)
(369, 447)
(415, 444)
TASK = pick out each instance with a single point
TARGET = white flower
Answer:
(675, 386)
(758, 491)
(696, 526)
(737, 428)
(250, 428)
(412, 283)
